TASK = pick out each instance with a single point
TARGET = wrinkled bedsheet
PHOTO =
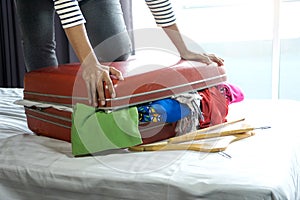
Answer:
(264, 166)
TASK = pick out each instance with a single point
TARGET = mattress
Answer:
(264, 166)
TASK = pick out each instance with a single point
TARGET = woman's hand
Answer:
(96, 77)
(94, 74)
(202, 57)
(173, 33)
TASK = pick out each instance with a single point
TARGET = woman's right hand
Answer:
(96, 77)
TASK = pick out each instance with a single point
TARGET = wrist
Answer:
(90, 60)
(186, 54)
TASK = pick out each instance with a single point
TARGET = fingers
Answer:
(116, 73)
(200, 57)
(109, 86)
(97, 79)
(207, 60)
(100, 90)
(216, 59)
(93, 95)
(88, 87)
(104, 80)
(91, 89)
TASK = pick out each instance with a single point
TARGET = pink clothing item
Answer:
(232, 93)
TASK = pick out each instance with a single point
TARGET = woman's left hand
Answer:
(203, 57)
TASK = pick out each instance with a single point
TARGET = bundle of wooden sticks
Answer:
(212, 139)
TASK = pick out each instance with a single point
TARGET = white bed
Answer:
(265, 166)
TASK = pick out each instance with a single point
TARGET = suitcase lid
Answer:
(145, 79)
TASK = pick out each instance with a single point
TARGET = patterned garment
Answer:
(70, 14)
(149, 114)
(162, 12)
(165, 110)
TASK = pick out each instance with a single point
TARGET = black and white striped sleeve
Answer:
(69, 12)
(162, 12)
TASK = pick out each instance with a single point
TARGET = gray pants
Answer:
(105, 27)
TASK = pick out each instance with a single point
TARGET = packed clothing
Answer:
(193, 110)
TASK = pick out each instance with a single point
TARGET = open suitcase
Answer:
(143, 82)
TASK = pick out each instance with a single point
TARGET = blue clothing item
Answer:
(165, 110)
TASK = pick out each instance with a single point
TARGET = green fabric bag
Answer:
(94, 131)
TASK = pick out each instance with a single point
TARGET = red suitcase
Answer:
(63, 85)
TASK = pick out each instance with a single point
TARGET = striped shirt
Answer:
(70, 14)
(162, 12)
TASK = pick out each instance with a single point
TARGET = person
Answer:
(88, 23)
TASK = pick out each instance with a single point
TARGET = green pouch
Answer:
(94, 131)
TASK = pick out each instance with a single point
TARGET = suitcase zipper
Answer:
(49, 115)
(132, 95)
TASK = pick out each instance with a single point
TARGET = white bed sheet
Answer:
(265, 166)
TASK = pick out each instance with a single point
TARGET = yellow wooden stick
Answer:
(210, 135)
(193, 135)
(218, 146)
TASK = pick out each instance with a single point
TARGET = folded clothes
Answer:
(165, 110)
(94, 131)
